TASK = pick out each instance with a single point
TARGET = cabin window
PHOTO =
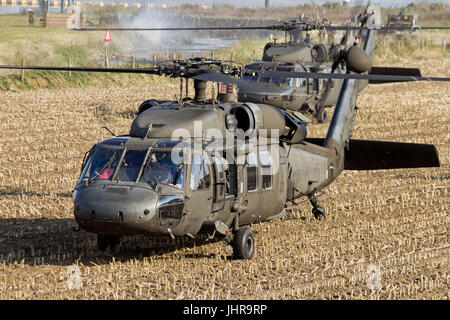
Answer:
(219, 178)
(299, 82)
(252, 172)
(266, 169)
(200, 175)
(316, 85)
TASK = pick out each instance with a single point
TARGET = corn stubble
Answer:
(396, 220)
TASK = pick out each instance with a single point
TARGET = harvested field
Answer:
(395, 221)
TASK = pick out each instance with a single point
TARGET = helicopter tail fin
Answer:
(379, 155)
(342, 123)
(414, 72)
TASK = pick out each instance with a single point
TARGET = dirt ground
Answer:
(386, 235)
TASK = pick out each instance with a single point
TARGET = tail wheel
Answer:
(243, 244)
(105, 242)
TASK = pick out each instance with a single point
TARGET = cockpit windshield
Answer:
(281, 80)
(101, 163)
(161, 168)
(250, 71)
(131, 165)
(252, 75)
(153, 166)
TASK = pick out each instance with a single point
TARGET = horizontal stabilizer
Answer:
(379, 155)
(413, 72)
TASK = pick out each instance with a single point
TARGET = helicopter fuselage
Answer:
(224, 177)
(304, 95)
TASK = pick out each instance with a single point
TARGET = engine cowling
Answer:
(252, 118)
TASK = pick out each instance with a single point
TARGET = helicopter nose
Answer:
(117, 210)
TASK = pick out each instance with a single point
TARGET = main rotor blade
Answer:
(272, 27)
(83, 69)
(381, 28)
(224, 78)
(174, 28)
(288, 74)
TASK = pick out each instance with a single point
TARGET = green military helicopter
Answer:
(199, 165)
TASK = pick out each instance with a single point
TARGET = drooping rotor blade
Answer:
(175, 68)
(83, 69)
(313, 75)
(206, 75)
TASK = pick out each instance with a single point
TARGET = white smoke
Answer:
(166, 43)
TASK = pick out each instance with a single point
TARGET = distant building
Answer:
(346, 3)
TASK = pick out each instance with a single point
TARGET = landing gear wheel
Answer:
(321, 115)
(105, 242)
(243, 244)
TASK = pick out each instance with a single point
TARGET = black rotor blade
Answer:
(220, 77)
(175, 28)
(288, 74)
(83, 69)
(272, 27)
(381, 28)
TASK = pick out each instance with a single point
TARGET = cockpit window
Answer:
(279, 80)
(153, 167)
(265, 79)
(131, 165)
(250, 73)
(161, 168)
(101, 164)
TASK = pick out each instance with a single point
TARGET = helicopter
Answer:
(194, 166)
(298, 53)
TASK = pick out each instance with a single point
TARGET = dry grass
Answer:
(394, 219)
